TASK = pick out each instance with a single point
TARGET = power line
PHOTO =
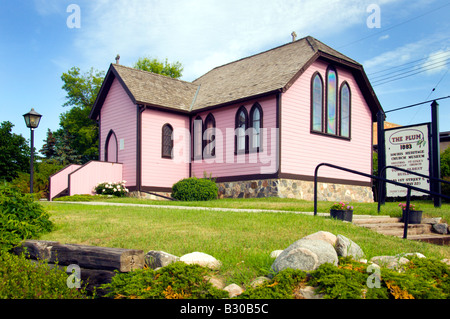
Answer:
(412, 105)
(380, 82)
(411, 68)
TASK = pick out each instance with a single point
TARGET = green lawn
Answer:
(242, 241)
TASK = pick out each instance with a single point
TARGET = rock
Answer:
(156, 259)
(346, 247)
(432, 221)
(419, 255)
(306, 254)
(259, 281)
(201, 259)
(216, 282)
(391, 262)
(309, 293)
(440, 228)
(275, 253)
(233, 290)
(323, 235)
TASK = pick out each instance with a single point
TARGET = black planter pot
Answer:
(415, 216)
(345, 215)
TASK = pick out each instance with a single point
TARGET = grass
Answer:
(241, 241)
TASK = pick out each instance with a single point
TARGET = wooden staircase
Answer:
(392, 226)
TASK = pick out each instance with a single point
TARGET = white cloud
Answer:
(437, 61)
(203, 34)
(407, 52)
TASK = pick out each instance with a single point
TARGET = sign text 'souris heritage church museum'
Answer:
(259, 126)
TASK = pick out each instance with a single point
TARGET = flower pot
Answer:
(345, 215)
(415, 216)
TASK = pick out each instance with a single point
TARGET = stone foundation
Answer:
(283, 188)
(288, 188)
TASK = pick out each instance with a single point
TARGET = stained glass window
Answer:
(241, 127)
(198, 137)
(167, 141)
(210, 125)
(331, 101)
(317, 103)
(256, 127)
(345, 110)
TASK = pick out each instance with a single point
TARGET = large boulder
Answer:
(155, 259)
(306, 254)
(346, 247)
(323, 235)
(201, 259)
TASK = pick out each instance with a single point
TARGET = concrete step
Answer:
(396, 229)
(379, 220)
(431, 238)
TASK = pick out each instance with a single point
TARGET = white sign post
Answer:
(408, 148)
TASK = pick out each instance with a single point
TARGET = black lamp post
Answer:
(32, 120)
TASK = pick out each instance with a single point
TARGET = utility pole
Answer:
(435, 153)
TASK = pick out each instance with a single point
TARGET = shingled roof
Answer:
(268, 72)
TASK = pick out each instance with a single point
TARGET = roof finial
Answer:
(117, 59)
(294, 36)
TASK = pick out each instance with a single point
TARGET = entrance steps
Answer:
(392, 226)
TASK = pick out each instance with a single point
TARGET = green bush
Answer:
(175, 281)
(22, 279)
(195, 189)
(20, 217)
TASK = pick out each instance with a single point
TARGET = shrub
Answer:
(282, 286)
(175, 281)
(20, 217)
(115, 189)
(42, 171)
(22, 279)
(195, 189)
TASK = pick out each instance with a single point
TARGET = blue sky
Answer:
(37, 45)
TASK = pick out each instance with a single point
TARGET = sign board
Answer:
(407, 147)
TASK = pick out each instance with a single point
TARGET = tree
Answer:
(78, 133)
(48, 149)
(14, 153)
(173, 70)
(445, 163)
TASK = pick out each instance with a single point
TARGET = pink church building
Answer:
(259, 126)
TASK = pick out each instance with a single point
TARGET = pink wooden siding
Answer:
(83, 180)
(302, 151)
(59, 181)
(158, 171)
(226, 163)
(120, 115)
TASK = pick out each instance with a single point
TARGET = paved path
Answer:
(243, 210)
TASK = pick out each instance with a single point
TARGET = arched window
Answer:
(256, 125)
(317, 103)
(111, 149)
(241, 128)
(331, 101)
(210, 136)
(345, 110)
(167, 141)
(198, 138)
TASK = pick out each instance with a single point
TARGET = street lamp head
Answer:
(32, 119)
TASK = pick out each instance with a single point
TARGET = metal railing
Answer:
(408, 187)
